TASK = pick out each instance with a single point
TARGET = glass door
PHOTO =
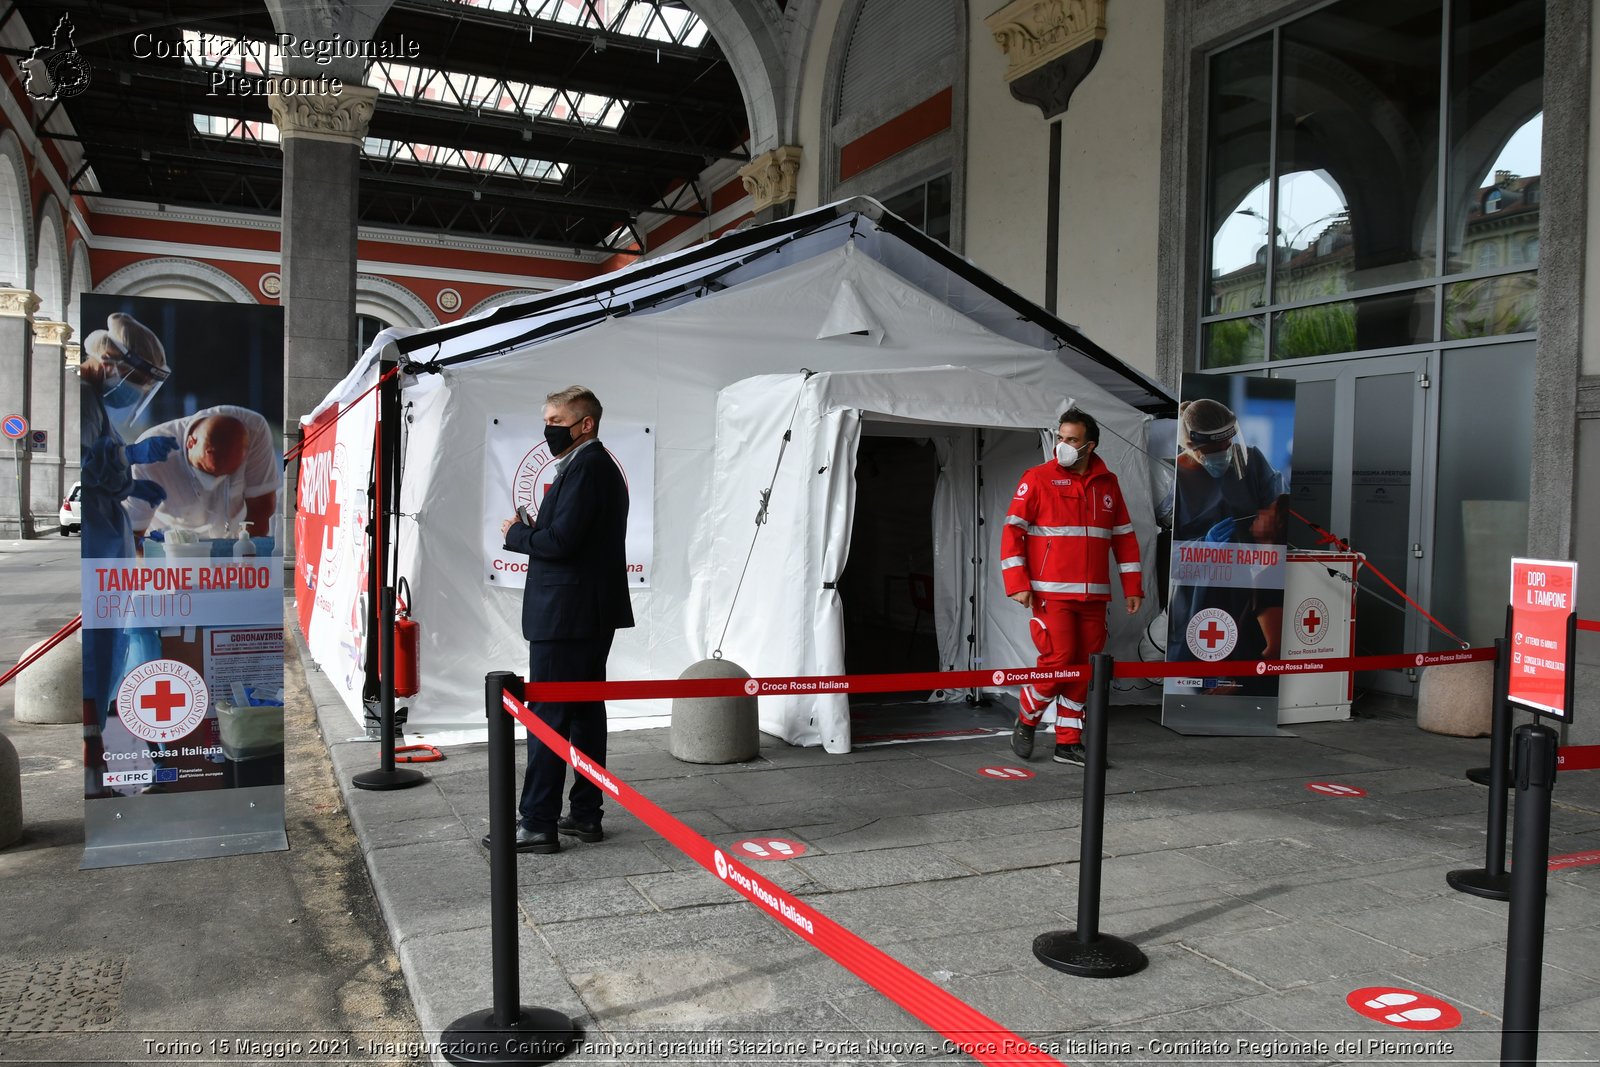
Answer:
(1359, 471)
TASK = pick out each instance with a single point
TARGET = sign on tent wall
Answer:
(518, 470)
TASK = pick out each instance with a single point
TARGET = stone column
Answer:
(47, 490)
(321, 137)
(16, 372)
(71, 414)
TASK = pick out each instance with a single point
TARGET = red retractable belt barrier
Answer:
(1589, 624)
(811, 685)
(969, 1029)
(37, 654)
(1578, 758)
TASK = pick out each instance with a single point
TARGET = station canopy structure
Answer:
(551, 121)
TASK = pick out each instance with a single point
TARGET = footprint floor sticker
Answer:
(1404, 1008)
(769, 848)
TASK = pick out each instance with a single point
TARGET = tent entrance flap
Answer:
(887, 587)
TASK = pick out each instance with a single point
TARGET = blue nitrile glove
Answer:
(152, 449)
(156, 535)
(148, 491)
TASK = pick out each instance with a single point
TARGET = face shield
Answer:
(131, 382)
(1208, 434)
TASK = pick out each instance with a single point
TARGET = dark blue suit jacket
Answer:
(577, 558)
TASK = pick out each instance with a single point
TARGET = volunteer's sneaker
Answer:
(1022, 739)
(1076, 755)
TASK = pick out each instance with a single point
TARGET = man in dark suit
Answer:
(575, 600)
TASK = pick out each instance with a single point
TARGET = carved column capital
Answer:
(1050, 46)
(770, 178)
(18, 303)
(46, 332)
(322, 116)
(72, 354)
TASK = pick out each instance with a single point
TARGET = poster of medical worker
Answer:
(181, 429)
(1235, 438)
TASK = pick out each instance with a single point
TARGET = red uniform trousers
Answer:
(1066, 632)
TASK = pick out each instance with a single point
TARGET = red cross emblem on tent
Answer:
(1405, 1008)
(162, 700)
(1211, 634)
(1311, 621)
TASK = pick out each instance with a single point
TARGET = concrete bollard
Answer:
(10, 794)
(51, 690)
(715, 729)
(1456, 699)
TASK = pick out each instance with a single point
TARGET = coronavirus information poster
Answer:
(182, 481)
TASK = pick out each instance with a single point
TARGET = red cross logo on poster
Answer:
(1211, 635)
(162, 700)
(1543, 598)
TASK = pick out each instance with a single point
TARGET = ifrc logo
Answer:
(1311, 620)
(1405, 1008)
(751, 687)
(127, 778)
(162, 700)
(1211, 635)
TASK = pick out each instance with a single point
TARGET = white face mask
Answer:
(206, 482)
(1066, 454)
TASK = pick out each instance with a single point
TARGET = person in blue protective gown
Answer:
(1228, 493)
(123, 367)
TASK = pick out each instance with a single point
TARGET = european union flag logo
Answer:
(166, 774)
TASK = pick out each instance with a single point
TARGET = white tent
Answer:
(757, 362)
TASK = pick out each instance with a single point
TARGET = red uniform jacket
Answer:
(1058, 530)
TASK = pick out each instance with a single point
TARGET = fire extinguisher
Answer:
(407, 635)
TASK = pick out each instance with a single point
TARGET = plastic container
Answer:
(249, 731)
(243, 545)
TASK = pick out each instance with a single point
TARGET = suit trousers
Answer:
(581, 723)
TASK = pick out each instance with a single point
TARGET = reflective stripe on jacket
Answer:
(1059, 529)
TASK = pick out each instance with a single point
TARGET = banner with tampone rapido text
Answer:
(1229, 552)
(182, 568)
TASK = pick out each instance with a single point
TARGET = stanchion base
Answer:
(1104, 957)
(1480, 883)
(399, 778)
(537, 1036)
(1480, 775)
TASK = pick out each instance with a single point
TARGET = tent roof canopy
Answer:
(658, 284)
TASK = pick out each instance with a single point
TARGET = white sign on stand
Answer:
(1319, 622)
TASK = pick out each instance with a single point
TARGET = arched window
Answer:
(894, 110)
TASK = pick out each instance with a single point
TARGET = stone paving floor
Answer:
(1261, 905)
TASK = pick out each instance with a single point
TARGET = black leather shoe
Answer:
(583, 831)
(1022, 739)
(528, 841)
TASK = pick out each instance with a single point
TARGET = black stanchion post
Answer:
(1530, 869)
(1491, 880)
(509, 1032)
(387, 776)
(1087, 952)
(1499, 744)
